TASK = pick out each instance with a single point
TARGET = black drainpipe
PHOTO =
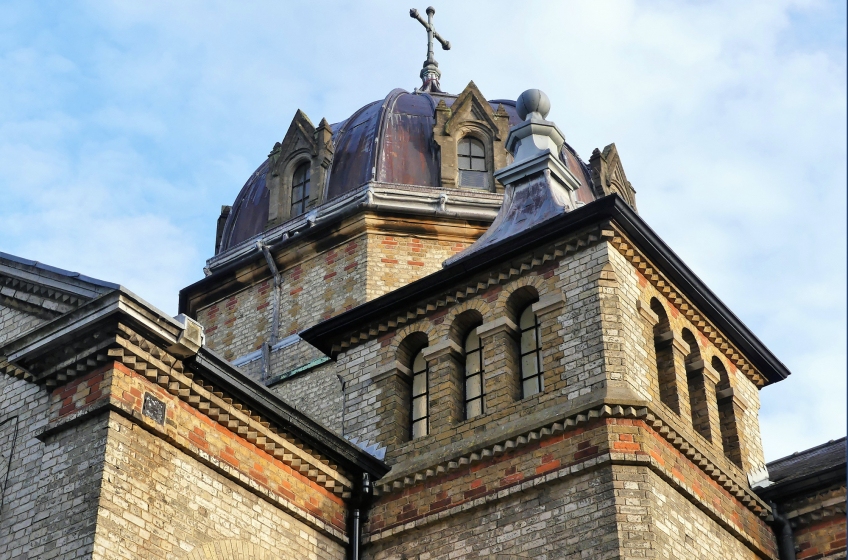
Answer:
(783, 532)
(360, 503)
(275, 321)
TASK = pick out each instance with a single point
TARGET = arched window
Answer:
(420, 397)
(471, 160)
(666, 374)
(697, 386)
(474, 390)
(727, 415)
(300, 190)
(530, 346)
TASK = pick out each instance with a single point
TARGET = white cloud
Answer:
(125, 126)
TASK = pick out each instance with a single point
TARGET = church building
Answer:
(429, 330)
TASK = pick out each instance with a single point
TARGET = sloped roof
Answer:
(806, 471)
(809, 462)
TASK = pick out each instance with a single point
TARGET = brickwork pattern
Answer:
(14, 323)
(323, 285)
(241, 323)
(317, 393)
(824, 540)
(159, 503)
(634, 291)
(396, 260)
(49, 505)
(622, 441)
(565, 520)
(197, 435)
(677, 529)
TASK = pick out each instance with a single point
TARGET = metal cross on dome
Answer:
(430, 72)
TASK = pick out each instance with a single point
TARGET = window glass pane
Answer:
(464, 147)
(472, 363)
(528, 365)
(472, 342)
(528, 341)
(419, 364)
(478, 164)
(476, 148)
(297, 193)
(464, 162)
(530, 387)
(474, 408)
(419, 384)
(297, 208)
(472, 387)
(528, 318)
(419, 428)
(419, 407)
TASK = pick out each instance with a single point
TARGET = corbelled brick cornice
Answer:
(121, 328)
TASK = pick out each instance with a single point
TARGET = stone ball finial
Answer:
(533, 101)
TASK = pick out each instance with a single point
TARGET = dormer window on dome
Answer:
(300, 190)
(471, 161)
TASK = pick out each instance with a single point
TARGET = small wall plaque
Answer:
(153, 408)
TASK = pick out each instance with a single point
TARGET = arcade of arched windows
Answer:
(693, 385)
(456, 380)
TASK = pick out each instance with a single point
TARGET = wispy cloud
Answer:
(125, 126)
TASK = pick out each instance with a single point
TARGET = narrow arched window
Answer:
(666, 373)
(471, 160)
(531, 360)
(474, 390)
(420, 394)
(300, 190)
(729, 415)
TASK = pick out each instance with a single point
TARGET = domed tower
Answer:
(339, 214)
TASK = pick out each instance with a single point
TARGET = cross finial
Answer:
(430, 72)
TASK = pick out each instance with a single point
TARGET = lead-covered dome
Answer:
(391, 141)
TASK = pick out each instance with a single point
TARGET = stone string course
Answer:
(544, 457)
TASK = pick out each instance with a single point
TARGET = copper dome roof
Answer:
(387, 141)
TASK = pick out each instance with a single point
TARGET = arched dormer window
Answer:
(471, 161)
(474, 390)
(530, 347)
(300, 190)
(420, 397)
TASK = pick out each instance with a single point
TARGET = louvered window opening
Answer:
(531, 359)
(474, 391)
(300, 190)
(472, 164)
(420, 396)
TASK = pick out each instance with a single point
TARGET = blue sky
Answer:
(124, 126)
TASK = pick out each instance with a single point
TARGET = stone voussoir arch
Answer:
(486, 310)
(236, 549)
(402, 334)
(534, 281)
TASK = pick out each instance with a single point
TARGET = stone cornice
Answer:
(732, 483)
(627, 249)
(382, 197)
